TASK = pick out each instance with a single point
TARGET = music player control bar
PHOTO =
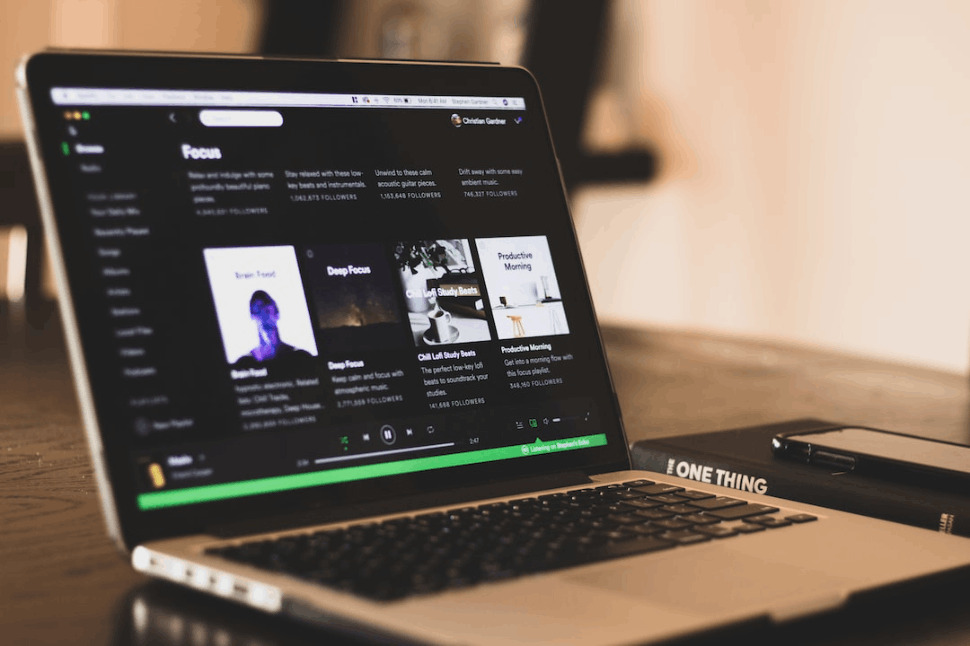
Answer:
(342, 458)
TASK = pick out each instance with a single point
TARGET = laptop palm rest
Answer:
(707, 582)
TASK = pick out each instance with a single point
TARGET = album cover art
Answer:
(443, 292)
(260, 304)
(354, 297)
(523, 291)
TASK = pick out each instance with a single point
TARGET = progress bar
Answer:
(342, 458)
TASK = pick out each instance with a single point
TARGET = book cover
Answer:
(742, 459)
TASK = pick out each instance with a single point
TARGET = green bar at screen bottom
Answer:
(209, 493)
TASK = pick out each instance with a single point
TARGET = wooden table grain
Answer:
(63, 582)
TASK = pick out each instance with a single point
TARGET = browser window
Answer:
(296, 289)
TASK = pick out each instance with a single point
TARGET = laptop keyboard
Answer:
(464, 546)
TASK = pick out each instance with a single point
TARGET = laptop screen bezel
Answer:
(48, 70)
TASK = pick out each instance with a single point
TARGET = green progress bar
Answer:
(209, 493)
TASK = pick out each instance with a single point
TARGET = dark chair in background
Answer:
(564, 49)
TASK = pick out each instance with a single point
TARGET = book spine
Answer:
(823, 490)
(708, 471)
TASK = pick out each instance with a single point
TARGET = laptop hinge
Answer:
(458, 495)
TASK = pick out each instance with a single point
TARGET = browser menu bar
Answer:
(76, 96)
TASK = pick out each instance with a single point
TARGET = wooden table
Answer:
(62, 582)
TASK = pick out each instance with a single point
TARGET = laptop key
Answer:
(768, 521)
(657, 489)
(715, 531)
(695, 495)
(641, 504)
(685, 537)
(700, 519)
(638, 483)
(667, 498)
(717, 502)
(671, 523)
(741, 511)
(679, 509)
(554, 496)
(747, 528)
(647, 528)
(801, 518)
(625, 519)
(623, 495)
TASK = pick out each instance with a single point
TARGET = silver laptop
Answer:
(337, 359)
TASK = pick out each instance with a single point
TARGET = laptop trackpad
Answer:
(719, 579)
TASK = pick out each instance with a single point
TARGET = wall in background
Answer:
(814, 171)
(173, 25)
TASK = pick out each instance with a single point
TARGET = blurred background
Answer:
(785, 170)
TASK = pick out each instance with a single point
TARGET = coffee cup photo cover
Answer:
(442, 291)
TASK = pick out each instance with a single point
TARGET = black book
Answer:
(742, 459)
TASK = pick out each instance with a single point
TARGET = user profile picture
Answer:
(456, 121)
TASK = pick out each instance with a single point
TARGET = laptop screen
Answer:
(285, 286)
